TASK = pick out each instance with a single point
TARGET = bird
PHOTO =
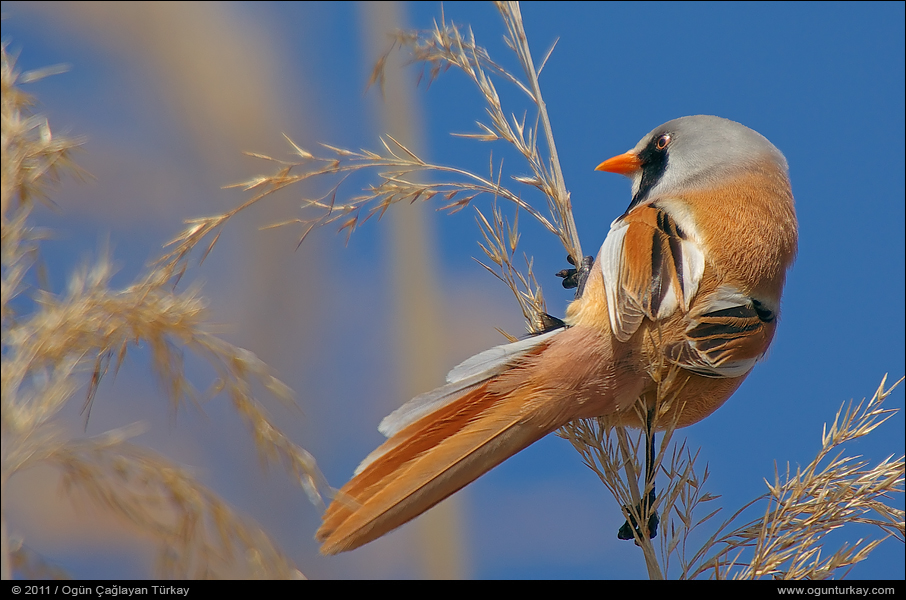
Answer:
(691, 275)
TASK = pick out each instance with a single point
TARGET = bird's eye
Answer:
(663, 141)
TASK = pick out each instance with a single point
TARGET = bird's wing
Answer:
(652, 268)
(727, 332)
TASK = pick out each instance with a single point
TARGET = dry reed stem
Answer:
(611, 450)
(401, 173)
(55, 345)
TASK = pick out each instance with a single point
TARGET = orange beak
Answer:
(624, 164)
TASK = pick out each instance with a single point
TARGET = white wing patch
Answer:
(624, 319)
(693, 269)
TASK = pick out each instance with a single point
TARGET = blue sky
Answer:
(824, 82)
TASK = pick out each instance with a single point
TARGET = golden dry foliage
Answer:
(57, 348)
(398, 168)
(834, 491)
(628, 463)
(802, 508)
(785, 541)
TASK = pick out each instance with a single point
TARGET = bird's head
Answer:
(696, 152)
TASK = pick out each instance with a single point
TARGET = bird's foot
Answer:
(575, 278)
(626, 531)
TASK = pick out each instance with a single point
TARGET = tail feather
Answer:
(410, 443)
(493, 406)
(437, 404)
(439, 457)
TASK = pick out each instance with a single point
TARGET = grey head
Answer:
(696, 152)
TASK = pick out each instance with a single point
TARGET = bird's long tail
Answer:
(428, 461)
(487, 413)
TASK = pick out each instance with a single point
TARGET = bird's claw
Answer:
(626, 531)
(575, 278)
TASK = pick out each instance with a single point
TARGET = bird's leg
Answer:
(650, 472)
(626, 531)
(575, 278)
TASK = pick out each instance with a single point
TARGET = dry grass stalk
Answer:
(56, 345)
(613, 450)
(800, 509)
(500, 240)
(400, 172)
